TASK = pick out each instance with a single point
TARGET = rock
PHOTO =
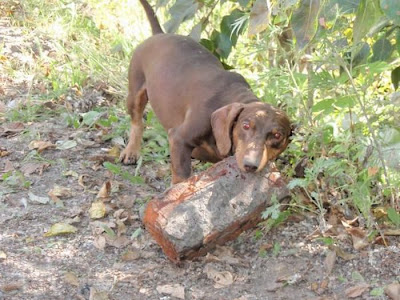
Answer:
(192, 217)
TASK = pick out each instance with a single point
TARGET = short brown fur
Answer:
(209, 113)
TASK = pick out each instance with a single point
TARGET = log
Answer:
(210, 208)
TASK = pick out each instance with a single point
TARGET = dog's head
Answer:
(256, 133)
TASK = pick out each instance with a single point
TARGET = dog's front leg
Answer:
(180, 156)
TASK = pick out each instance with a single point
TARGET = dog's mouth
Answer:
(253, 161)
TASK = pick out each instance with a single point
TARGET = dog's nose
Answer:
(250, 167)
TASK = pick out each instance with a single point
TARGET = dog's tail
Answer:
(151, 16)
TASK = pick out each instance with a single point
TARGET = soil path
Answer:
(115, 258)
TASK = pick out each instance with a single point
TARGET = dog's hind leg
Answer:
(136, 102)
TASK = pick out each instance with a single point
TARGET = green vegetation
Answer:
(332, 65)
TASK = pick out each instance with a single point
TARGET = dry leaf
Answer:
(60, 228)
(11, 287)
(81, 180)
(175, 290)
(379, 212)
(31, 168)
(71, 173)
(114, 151)
(99, 242)
(126, 201)
(97, 295)
(3, 255)
(290, 279)
(357, 290)
(12, 128)
(393, 291)
(71, 278)
(97, 210)
(221, 278)
(359, 237)
(211, 258)
(118, 241)
(37, 199)
(259, 16)
(372, 171)
(101, 158)
(225, 254)
(121, 228)
(8, 166)
(130, 255)
(105, 191)
(59, 192)
(341, 253)
(330, 261)
(65, 145)
(393, 232)
(2, 105)
(4, 152)
(73, 220)
(40, 145)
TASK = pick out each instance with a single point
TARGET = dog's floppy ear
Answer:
(222, 121)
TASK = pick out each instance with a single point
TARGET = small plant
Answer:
(15, 179)
(117, 170)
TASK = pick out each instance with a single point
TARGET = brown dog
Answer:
(209, 113)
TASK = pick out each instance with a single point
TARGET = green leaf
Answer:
(377, 292)
(244, 3)
(161, 3)
(356, 276)
(345, 102)
(394, 216)
(324, 105)
(331, 8)
(276, 249)
(181, 11)
(326, 240)
(108, 230)
(327, 136)
(395, 75)
(91, 117)
(305, 22)
(361, 55)
(133, 179)
(227, 25)
(112, 168)
(346, 6)
(368, 14)
(398, 40)
(301, 182)
(372, 69)
(391, 8)
(223, 43)
(259, 16)
(195, 33)
(136, 233)
(208, 44)
(382, 50)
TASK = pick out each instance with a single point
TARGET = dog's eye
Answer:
(277, 135)
(246, 125)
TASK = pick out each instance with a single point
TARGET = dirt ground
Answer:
(113, 257)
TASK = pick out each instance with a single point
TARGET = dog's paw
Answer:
(128, 157)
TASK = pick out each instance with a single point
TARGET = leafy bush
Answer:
(334, 67)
